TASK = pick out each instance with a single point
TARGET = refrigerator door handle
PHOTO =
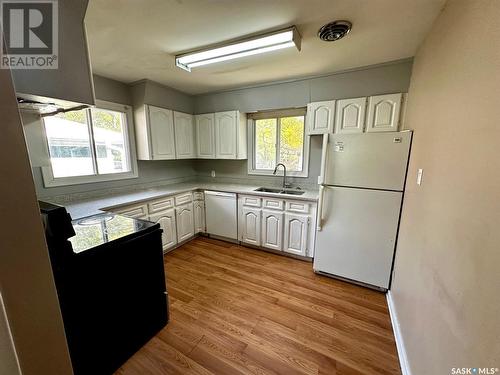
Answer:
(324, 155)
(319, 227)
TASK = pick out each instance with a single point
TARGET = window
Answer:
(278, 137)
(89, 145)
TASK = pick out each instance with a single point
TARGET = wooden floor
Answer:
(236, 310)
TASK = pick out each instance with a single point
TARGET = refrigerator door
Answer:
(358, 235)
(368, 160)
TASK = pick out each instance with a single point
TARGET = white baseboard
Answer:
(403, 359)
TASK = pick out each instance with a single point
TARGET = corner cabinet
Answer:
(205, 136)
(199, 216)
(320, 116)
(230, 135)
(184, 136)
(154, 132)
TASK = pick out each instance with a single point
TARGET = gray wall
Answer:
(382, 79)
(446, 276)
(150, 172)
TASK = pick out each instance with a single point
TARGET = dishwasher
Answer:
(221, 214)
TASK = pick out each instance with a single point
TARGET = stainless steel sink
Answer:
(292, 192)
(269, 190)
(279, 191)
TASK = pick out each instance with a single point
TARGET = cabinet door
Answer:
(383, 113)
(272, 229)
(350, 116)
(199, 216)
(320, 117)
(250, 226)
(205, 136)
(226, 127)
(166, 219)
(161, 123)
(185, 222)
(184, 135)
(296, 230)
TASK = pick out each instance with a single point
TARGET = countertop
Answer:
(92, 206)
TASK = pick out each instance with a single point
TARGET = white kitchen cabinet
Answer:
(205, 136)
(167, 221)
(272, 229)
(350, 116)
(154, 132)
(296, 233)
(199, 216)
(230, 135)
(185, 222)
(184, 136)
(320, 117)
(250, 226)
(383, 113)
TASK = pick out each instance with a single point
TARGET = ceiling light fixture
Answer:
(262, 43)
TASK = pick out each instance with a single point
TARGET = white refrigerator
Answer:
(361, 188)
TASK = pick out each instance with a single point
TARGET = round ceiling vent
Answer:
(334, 30)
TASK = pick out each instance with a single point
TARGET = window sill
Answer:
(50, 181)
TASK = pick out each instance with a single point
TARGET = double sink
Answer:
(279, 191)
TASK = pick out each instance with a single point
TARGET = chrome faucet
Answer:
(285, 184)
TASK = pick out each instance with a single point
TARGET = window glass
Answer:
(279, 140)
(69, 144)
(265, 143)
(292, 142)
(110, 141)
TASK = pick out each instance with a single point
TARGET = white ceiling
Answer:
(131, 40)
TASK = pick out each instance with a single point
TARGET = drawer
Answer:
(250, 201)
(198, 196)
(297, 206)
(274, 204)
(136, 211)
(160, 205)
(183, 198)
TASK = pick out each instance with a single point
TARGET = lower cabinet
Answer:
(296, 234)
(282, 225)
(185, 222)
(199, 216)
(167, 220)
(250, 226)
(272, 228)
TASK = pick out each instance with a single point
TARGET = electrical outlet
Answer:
(212, 174)
(419, 176)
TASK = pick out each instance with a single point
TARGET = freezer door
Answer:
(358, 234)
(368, 160)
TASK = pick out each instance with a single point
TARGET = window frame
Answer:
(48, 175)
(251, 142)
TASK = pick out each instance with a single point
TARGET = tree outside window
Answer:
(279, 140)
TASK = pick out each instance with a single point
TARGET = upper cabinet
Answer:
(230, 135)
(184, 136)
(350, 116)
(154, 131)
(320, 116)
(383, 113)
(205, 136)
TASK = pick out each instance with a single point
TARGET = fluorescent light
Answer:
(258, 44)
